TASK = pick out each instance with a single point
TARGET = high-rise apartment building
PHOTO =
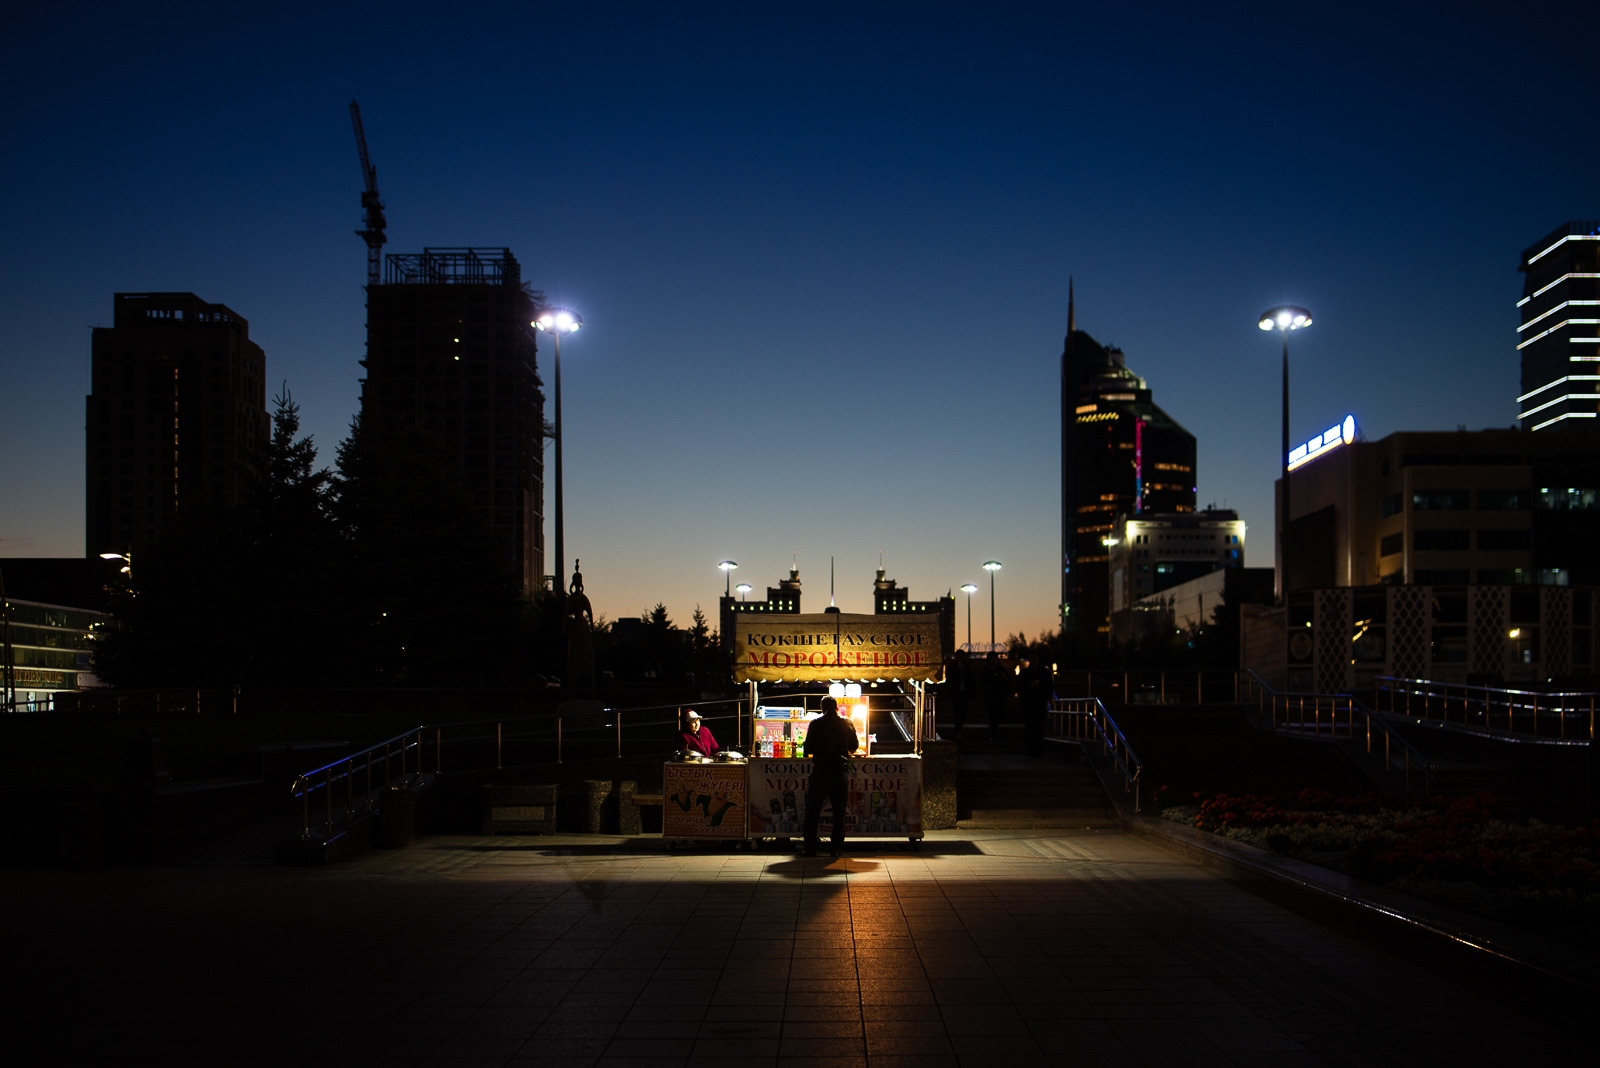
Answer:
(176, 417)
(1119, 454)
(450, 349)
(1559, 335)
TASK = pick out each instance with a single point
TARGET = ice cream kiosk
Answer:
(842, 656)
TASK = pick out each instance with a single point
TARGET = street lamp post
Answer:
(8, 688)
(969, 589)
(743, 588)
(728, 568)
(1284, 319)
(991, 566)
(555, 322)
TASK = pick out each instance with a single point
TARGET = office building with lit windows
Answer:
(1559, 331)
(1153, 552)
(176, 418)
(1120, 454)
(1454, 556)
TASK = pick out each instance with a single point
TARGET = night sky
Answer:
(822, 253)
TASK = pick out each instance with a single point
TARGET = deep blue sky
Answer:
(822, 252)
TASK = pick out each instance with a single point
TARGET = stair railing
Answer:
(1086, 721)
(1497, 711)
(1335, 716)
(375, 766)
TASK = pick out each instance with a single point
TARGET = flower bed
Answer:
(1451, 850)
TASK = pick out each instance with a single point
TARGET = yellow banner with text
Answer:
(824, 646)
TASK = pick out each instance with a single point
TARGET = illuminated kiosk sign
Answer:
(825, 646)
(1323, 443)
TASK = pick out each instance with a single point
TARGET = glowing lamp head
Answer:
(111, 556)
(743, 587)
(969, 588)
(728, 565)
(1288, 317)
(991, 565)
(558, 321)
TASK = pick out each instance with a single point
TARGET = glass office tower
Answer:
(1559, 331)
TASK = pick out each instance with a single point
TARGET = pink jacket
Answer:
(698, 741)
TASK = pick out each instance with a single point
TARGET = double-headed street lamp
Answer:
(1284, 319)
(728, 568)
(969, 589)
(991, 566)
(555, 322)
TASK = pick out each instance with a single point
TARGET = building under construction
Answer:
(450, 349)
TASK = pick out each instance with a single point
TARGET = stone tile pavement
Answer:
(988, 947)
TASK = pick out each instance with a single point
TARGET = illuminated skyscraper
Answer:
(1559, 333)
(1119, 454)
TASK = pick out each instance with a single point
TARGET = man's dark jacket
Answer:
(829, 742)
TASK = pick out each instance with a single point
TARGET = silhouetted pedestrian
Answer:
(961, 692)
(829, 742)
(1034, 697)
(996, 689)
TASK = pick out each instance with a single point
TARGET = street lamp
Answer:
(991, 566)
(1284, 319)
(728, 568)
(969, 589)
(742, 589)
(555, 322)
(127, 562)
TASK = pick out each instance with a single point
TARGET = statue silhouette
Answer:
(580, 639)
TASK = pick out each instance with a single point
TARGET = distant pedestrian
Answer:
(996, 688)
(829, 742)
(961, 691)
(1034, 698)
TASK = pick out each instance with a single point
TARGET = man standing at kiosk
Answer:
(829, 742)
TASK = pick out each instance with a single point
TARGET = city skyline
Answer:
(780, 251)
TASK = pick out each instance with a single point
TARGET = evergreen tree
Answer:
(432, 601)
(237, 595)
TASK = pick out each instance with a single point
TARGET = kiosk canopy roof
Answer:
(828, 646)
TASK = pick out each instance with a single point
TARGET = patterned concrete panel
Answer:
(1410, 626)
(1555, 639)
(1487, 630)
(1334, 627)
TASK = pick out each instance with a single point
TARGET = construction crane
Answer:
(370, 203)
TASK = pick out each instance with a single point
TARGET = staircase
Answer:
(997, 790)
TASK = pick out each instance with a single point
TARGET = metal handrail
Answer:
(1202, 685)
(345, 768)
(1480, 709)
(1113, 742)
(1293, 719)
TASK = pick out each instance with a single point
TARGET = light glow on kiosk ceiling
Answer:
(1323, 443)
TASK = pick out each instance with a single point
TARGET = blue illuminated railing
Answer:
(1086, 721)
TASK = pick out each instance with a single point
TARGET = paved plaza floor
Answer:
(998, 947)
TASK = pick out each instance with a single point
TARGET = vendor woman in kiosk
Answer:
(696, 736)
